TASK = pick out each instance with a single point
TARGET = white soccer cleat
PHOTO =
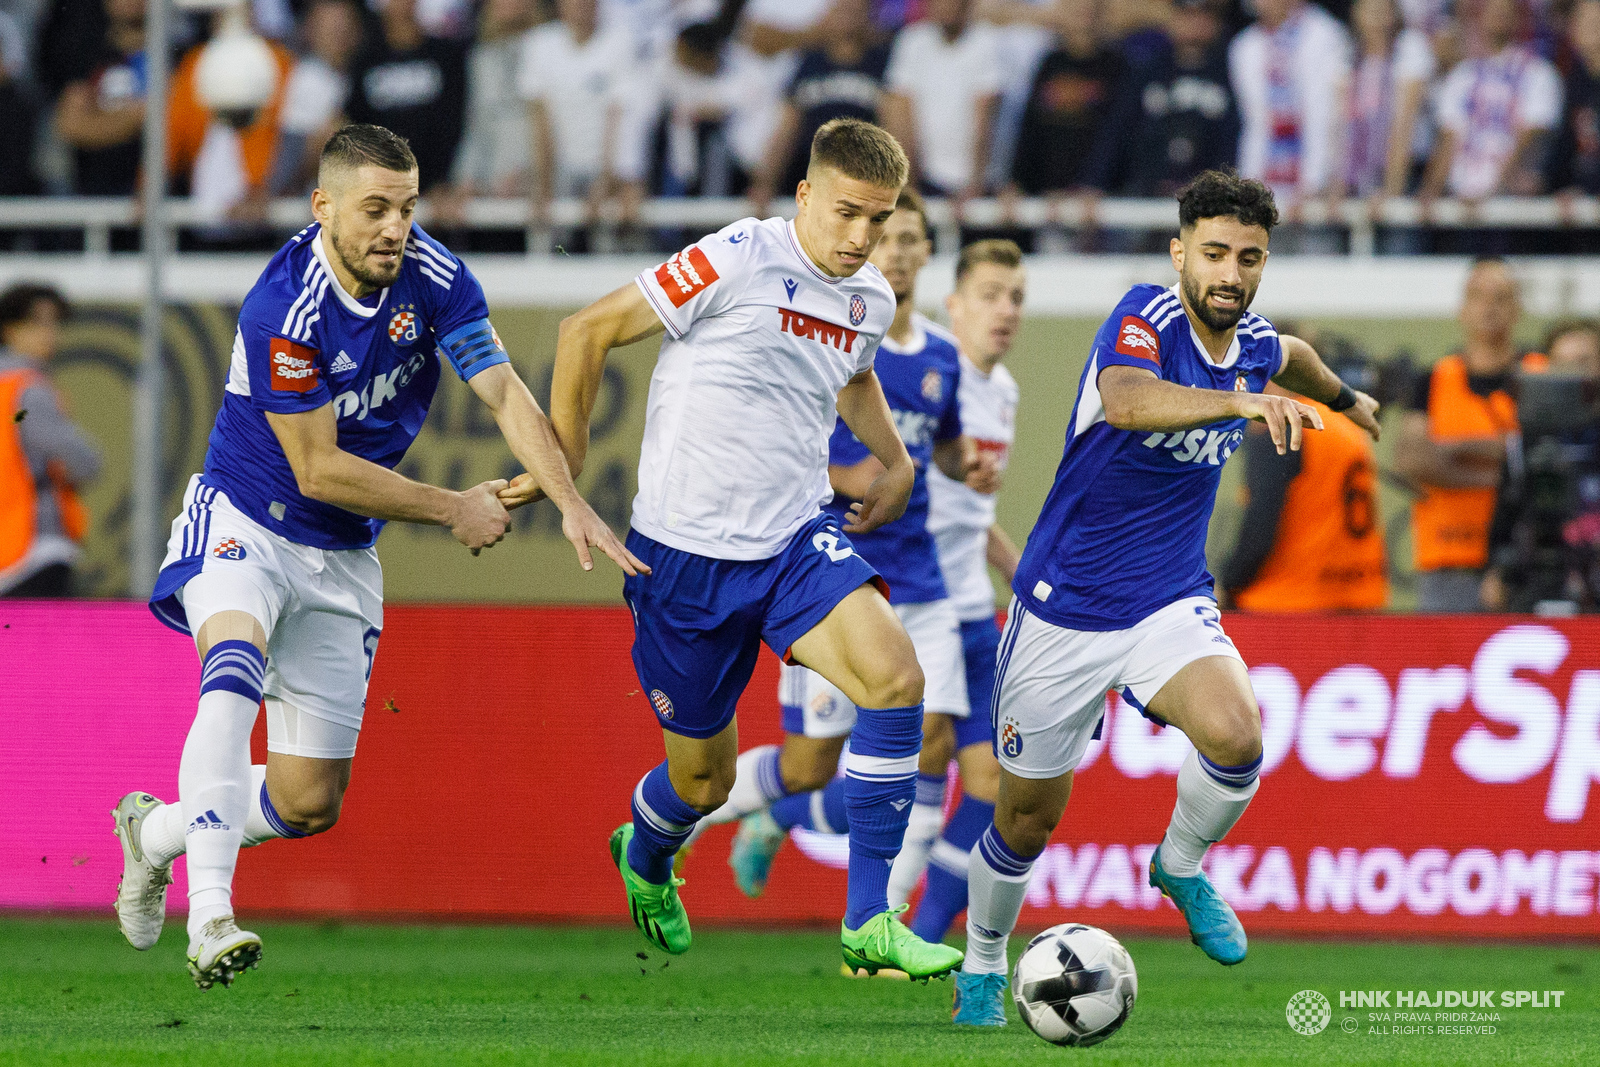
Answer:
(142, 894)
(223, 952)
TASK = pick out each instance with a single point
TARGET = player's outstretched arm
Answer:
(619, 318)
(1136, 399)
(326, 472)
(533, 442)
(863, 408)
(1305, 373)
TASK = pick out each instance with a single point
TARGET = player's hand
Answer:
(1283, 415)
(1364, 413)
(480, 520)
(585, 529)
(522, 490)
(984, 474)
(885, 500)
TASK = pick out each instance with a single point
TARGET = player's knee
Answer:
(938, 744)
(1024, 832)
(312, 811)
(897, 685)
(706, 789)
(1233, 734)
(807, 771)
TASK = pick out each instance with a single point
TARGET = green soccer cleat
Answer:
(1212, 924)
(754, 848)
(656, 909)
(884, 942)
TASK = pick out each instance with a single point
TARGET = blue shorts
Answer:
(698, 622)
(980, 641)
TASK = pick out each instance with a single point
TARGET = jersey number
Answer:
(828, 541)
(1360, 512)
(369, 642)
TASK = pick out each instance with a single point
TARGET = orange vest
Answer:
(1328, 553)
(1450, 527)
(19, 497)
(188, 119)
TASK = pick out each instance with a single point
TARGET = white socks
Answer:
(1211, 798)
(997, 883)
(163, 835)
(923, 830)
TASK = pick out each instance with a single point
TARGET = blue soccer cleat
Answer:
(754, 847)
(1212, 924)
(980, 1000)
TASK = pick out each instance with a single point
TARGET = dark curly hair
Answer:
(1220, 193)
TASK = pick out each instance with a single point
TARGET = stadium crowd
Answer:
(619, 99)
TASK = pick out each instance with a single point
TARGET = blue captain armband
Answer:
(473, 348)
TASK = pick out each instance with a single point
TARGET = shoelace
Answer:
(668, 888)
(1208, 905)
(221, 926)
(886, 929)
(154, 893)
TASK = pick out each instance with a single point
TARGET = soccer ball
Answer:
(1074, 985)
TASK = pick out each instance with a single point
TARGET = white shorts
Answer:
(1052, 682)
(813, 706)
(322, 611)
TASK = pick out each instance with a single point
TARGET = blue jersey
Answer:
(1123, 531)
(303, 342)
(920, 382)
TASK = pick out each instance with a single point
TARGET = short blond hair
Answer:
(861, 151)
(995, 250)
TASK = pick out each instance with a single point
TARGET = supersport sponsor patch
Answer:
(1136, 338)
(684, 275)
(294, 366)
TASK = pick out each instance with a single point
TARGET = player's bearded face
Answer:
(374, 259)
(1219, 306)
(1222, 261)
(368, 218)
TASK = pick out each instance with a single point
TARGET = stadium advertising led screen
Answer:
(1422, 775)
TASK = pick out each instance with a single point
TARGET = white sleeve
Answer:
(900, 76)
(531, 83)
(1453, 96)
(1539, 98)
(1413, 57)
(986, 61)
(701, 281)
(304, 107)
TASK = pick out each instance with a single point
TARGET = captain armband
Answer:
(473, 348)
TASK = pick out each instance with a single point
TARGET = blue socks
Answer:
(661, 824)
(945, 895)
(822, 810)
(880, 784)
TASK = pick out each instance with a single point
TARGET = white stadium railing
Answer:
(96, 217)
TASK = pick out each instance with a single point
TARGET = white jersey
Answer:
(958, 517)
(742, 401)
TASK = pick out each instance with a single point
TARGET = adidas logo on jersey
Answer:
(815, 329)
(1198, 446)
(342, 364)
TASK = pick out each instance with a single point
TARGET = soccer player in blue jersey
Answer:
(271, 567)
(772, 328)
(1112, 591)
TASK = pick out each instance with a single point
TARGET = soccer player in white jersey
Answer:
(772, 329)
(1112, 591)
(985, 313)
(271, 567)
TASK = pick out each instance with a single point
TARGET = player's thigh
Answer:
(1050, 694)
(1027, 810)
(861, 647)
(1184, 670)
(809, 762)
(935, 634)
(230, 625)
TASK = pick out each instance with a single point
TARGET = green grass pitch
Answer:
(72, 992)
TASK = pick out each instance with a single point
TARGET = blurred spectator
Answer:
(1387, 92)
(844, 79)
(1174, 116)
(101, 115)
(1544, 538)
(416, 85)
(224, 158)
(1452, 442)
(1575, 160)
(17, 116)
(763, 63)
(573, 76)
(494, 156)
(65, 51)
(1025, 31)
(1496, 113)
(319, 86)
(1069, 101)
(1288, 70)
(944, 82)
(1311, 539)
(44, 458)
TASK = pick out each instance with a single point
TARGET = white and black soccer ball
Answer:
(1074, 985)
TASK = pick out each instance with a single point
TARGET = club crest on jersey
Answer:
(933, 386)
(1240, 385)
(403, 327)
(858, 310)
(814, 329)
(1136, 338)
(1010, 739)
(228, 548)
(662, 702)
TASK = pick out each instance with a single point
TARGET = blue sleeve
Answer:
(950, 418)
(460, 315)
(1131, 337)
(844, 450)
(287, 374)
